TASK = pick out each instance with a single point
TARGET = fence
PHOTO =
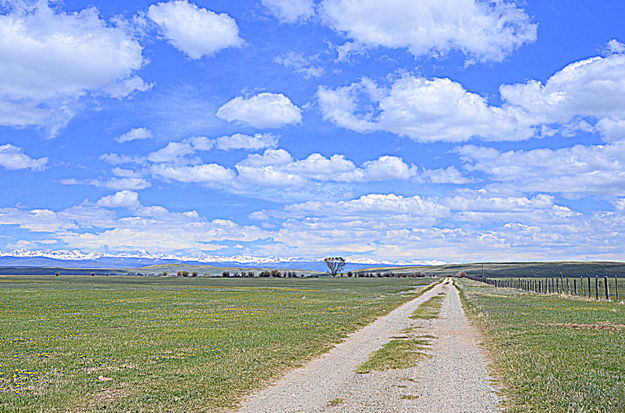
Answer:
(598, 288)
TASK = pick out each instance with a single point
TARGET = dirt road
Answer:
(453, 379)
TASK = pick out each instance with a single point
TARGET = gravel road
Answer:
(454, 379)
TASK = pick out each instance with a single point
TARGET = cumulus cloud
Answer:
(121, 199)
(204, 174)
(265, 110)
(614, 46)
(290, 11)
(13, 158)
(592, 87)
(119, 159)
(247, 142)
(177, 152)
(277, 167)
(449, 175)
(481, 30)
(196, 31)
(587, 95)
(135, 134)
(388, 168)
(422, 109)
(391, 226)
(50, 59)
(149, 228)
(578, 170)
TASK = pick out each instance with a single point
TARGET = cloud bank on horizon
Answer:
(455, 130)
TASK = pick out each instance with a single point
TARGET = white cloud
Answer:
(177, 152)
(247, 142)
(593, 87)
(12, 157)
(135, 134)
(614, 46)
(117, 159)
(422, 109)
(268, 176)
(463, 227)
(121, 199)
(482, 31)
(300, 64)
(196, 31)
(612, 130)
(449, 175)
(290, 11)
(587, 95)
(278, 168)
(116, 184)
(376, 204)
(51, 58)
(577, 170)
(318, 167)
(149, 228)
(265, 110)
(125, 183)
(269, 157)
(388, 168)
(204, 174)
(126, 173)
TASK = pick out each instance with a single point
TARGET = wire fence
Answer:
(593, 287)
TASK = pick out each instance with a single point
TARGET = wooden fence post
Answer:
(575, 286)
(596, 287)
(581, 285)
(589, 289)
(616, 287)
(568, 286)
(607, 288)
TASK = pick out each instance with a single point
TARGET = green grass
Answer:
(336, 402)
(552, 354)
(396, 354)
(169, 344)
(430, 309)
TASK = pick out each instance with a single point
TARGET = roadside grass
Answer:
(552, 354)
(336, 402)
(170, 344)
(396, 354)
(430, 309)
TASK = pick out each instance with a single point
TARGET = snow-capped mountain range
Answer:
(94, 259)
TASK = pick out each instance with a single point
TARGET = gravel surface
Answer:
(454, 379)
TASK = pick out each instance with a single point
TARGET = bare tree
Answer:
(335, 264)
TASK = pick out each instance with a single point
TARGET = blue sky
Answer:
(396, 130)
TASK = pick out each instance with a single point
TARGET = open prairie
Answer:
(552, 353)
(170, 344)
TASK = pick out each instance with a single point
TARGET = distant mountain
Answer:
(120, 262)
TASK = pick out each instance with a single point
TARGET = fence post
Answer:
(581, 285)
(575, 286)
(568, 286)
(607, 288)
(616, 287)
(589, 289)
(596, 287)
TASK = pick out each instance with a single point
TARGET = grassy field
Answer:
(514, 269)
(169, 344)
(552, 354)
